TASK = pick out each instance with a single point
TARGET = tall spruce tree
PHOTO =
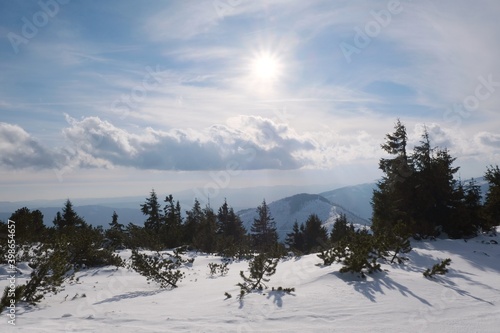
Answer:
(264, 234)
(295, 240)
(390, 199)
(151, 208)
(492, 203)
(315, 234)
(68, 218)
(230, 230)
(194, 217)
(171, 228)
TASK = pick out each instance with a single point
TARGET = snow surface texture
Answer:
(399, 299)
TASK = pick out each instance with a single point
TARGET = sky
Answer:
(114, 98)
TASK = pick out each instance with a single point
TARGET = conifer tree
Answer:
(315, 235)
(68, 218)
(171, 229)
(295, 240)
(192, 223)
(29, 225)
(231, 232)
(492, 203)
(264, 234)
(341, 229)
(116, 233)
(151, 208)
(390, 199)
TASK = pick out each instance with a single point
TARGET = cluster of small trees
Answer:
(419, 189)
(202, 229)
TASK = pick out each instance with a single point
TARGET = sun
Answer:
(266, 67)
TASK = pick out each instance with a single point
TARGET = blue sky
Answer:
(113, 98)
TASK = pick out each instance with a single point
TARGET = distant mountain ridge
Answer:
(298, 208)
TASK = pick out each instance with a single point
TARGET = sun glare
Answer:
(266, 67)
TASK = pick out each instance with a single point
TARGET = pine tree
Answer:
(264, 234)
(261, 268)
(116, 233)
(172, 228)
(315, 235)
(194, 217)
(492, 203)
(295, 240)
(29, 225)
(390, 200)
(205, 239)
(68, 218)
(231, 233)
(341, 229)
(151, 208)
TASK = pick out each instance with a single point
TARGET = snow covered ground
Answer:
(399, 299)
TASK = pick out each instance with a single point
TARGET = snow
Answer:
(398, 299)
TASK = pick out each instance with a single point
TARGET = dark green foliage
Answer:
(205, 238)
(307, 238)
(232, 239)
(115, 235)
(85, 247)
(295, 240)
(315, 236)
(438, 268)
(171, 229)
(29, 226)
(492, 203)
(419, 190)
(51, 267)
(163, 271)
(341, 229)
(218, 269)
(394, 244)
(9, 295)
(264, 235)
(358, 252)
(261, 268)
(152, 209)
(68, 218)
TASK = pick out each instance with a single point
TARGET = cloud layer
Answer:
(243, 143)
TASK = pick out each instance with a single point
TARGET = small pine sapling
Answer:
(218, 269)
(438, 268)
(165, 272)
(261, 268)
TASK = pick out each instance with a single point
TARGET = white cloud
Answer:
(254, 143)
(19, 150)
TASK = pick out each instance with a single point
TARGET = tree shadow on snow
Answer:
(130, 295)
(372, 287)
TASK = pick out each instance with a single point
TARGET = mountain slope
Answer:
(398, 299)
(298, 208)
(355, 198)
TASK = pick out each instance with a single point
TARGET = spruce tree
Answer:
(264, 234)
(492, 203)
(68, 218)
(151, 208)
(295, 240)
(231, 233)
(341, 229)
(315, 235)
(390, 200)
(171, 229)
(29, 225)
(194, 217)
